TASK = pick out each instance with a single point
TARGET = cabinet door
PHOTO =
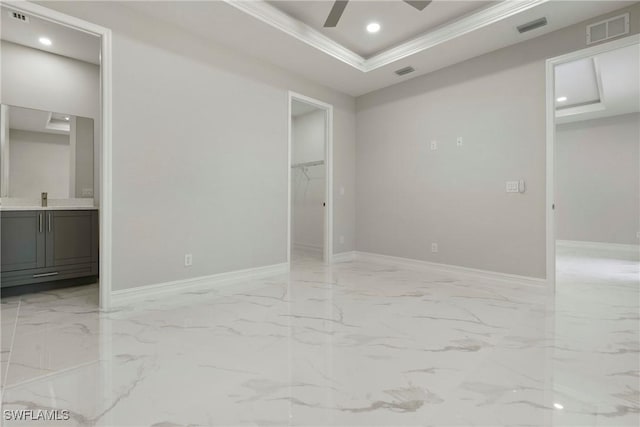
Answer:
(71, 237)
(22, 236)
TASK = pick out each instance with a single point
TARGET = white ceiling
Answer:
(617, 81)
(221, 22)
(65, 41)
(31, 120)
(399, 21)
(301, 108)
(578, 82)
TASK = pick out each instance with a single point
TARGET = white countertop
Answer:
(35, 204)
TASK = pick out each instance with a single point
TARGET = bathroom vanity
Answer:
(49, 229)
(41, 245)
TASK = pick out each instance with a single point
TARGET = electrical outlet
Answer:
(434, 247)
(188, 260)
(342, 240)
(434, 145)
(459, 141)
(513, 187)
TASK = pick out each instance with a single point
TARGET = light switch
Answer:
(434, 145)
(342, 191)
(459, 141)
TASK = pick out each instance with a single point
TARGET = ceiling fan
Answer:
(340, 5)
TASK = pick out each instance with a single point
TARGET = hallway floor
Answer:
(348, 344)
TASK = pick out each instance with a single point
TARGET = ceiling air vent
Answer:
(608, 29)
(18, 16)
(405, 70)
(532, 25)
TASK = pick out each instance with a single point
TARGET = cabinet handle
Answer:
(35, 276)
(49, 222)
(40, 222)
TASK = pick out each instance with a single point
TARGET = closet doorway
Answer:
(310, 172)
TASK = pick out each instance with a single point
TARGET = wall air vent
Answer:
(532, 25)
(608, 29)
(405, 70)
(18, 16)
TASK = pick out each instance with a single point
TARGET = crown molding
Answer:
(271, 15)
(450, 31)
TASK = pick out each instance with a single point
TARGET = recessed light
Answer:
(558, 406)
(45, 41)
(561, 99)
(66, 118)
(373, 27)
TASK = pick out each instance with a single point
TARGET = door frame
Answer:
(328, 163)
(551, 134)
(105, 208)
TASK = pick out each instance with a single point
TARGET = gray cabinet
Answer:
(41, 246)
(22, 240)
(72, 238)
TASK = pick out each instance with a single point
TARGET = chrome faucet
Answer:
(43, 198)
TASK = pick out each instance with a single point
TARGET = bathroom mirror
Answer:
(45, 151)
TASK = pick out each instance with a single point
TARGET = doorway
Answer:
(593, 169)
(103, 176)
(310, 210)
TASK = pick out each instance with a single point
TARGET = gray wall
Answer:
(200, 152)
(409, 196)
(36, 79)
(598, 180)
(84, 156)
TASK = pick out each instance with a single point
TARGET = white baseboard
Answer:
(615, 247)
(305, 247)
(448, 268)
(125, 296)
(343, 257)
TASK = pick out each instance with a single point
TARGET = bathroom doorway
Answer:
(88, 54)
(310, 207)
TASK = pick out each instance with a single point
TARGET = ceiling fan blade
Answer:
(420, 5)
(336, 13)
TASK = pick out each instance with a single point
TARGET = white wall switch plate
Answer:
(513, 186)
(342, 191)
(434, 247)
(459, 141)
(434, 145)
(521, 186)
(342, 240)
(188, 260)
(638, 234)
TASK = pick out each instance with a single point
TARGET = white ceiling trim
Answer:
(458, 28)
(596, 67)
(271, 15)
(582, 109)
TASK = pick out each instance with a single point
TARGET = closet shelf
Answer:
(307, 164)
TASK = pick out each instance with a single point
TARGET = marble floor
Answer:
(353, 344)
